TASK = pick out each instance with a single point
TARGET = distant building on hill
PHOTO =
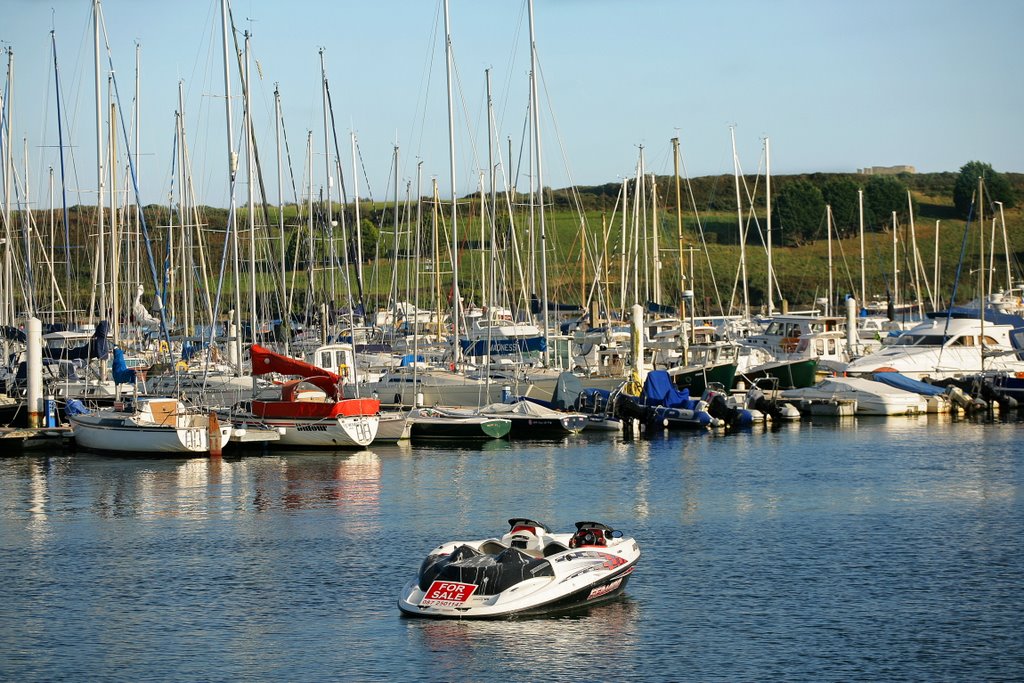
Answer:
(886, 170)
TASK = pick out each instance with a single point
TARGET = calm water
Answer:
(861, 550)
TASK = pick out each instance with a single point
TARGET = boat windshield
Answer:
(921, 340)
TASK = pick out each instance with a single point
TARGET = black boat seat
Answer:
(553, 548)
(491, 547)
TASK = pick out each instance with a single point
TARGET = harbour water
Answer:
(862, 549)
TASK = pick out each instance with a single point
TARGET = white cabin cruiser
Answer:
(528, 571)
(941, 348)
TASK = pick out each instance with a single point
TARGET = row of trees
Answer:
(801, 203)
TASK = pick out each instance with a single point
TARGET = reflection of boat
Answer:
(450, 423)
(527, 571)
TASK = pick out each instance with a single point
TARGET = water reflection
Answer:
(542, 648)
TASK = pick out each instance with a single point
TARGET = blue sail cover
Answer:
(120, 371)
(503, 346)
(98, 347)
(895, 379)
(14, 334)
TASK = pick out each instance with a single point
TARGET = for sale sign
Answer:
(447, 594)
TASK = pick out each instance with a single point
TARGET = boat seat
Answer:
(588, 538)
(492, 547)
(553, 548)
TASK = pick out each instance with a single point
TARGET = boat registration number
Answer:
(447, 594)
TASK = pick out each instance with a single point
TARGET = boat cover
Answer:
(900, 381)
(526, 408)
(265, 361)
(659, 391)
(568, 387)
(98, 347)
(121, 372)
(492, 574)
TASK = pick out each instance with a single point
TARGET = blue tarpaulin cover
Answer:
(659, 391)
(895, 379)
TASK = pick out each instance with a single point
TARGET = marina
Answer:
(863, 548)
(408, 397)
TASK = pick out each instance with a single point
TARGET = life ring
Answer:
(164, 348)
(181, 366)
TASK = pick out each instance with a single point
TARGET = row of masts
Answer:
(188, 305)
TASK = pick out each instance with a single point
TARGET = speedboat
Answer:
(528, 571)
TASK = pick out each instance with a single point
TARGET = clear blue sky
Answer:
(835, 85)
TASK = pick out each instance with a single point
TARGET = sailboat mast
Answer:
(285, 313)
(895, 266)
(860, 219)
(232, 170)
(535, 110)
(251, 203)
(679, 228)
(328, 182)
(913, 248)
(828, 229)
(491, 286)
(981, 271)
(310, 269)
(100, 265)
(739, 217)
(1006, 249)
(115, 300)
(937, 303)
(7, 305)
(456, 303)
(358, 216)
(29, 279)
(768, 220)
(137, 259)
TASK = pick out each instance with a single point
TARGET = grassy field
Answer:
(802, 272)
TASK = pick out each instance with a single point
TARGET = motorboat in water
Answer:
(661, 405)
(959, 343)
(871, 397)
(528, 571)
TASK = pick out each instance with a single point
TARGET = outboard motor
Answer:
(720, 407)
(758, 401)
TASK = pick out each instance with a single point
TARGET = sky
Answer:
(836, 86)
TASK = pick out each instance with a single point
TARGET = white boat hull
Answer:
(342, 431)
(100, 433)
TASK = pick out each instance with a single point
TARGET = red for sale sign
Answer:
(447, 594)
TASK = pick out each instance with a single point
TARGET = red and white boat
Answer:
(308, 412)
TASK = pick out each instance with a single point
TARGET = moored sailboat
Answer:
(308, 412)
